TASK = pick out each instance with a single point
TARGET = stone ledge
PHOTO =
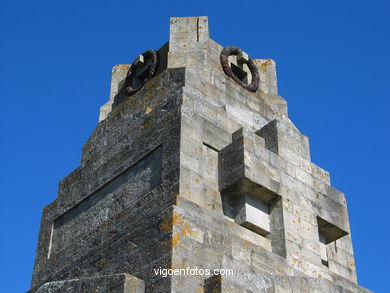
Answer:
(119, 283)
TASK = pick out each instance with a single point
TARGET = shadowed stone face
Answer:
(107, 202)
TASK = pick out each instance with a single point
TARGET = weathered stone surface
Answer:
(106, 284)
(194, 170)
(266, 283)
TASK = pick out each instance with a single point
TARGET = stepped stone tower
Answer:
(195, 167)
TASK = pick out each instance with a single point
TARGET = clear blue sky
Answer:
(55, 67)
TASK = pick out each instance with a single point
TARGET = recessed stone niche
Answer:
(327, 234)
(257, 209)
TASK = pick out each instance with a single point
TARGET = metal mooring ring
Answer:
(147, 73)
(231, 50)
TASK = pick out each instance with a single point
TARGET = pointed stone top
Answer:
(188, 33)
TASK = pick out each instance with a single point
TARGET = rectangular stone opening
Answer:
(323, 250)
(257, 209)
(327, 234)
(329, 231)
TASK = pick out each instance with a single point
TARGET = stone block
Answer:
(254, 215)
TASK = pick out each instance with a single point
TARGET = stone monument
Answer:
(195, 180)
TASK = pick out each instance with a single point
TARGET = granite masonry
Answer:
(195, 165)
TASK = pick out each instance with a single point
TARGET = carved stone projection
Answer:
(237, 65)
(142, 69)
(195, 171)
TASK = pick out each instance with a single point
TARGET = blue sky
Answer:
(55, 67)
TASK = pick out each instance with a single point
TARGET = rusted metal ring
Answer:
(151, 71)
(231, 50)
